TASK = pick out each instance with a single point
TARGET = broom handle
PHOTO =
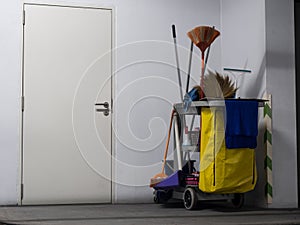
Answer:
(202, 76)
(177, 61)
(208, 50)
(206, 58)
(168, 141)
(189, 68)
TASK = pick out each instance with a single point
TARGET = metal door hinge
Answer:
(22, 191)
(22, 103)
(23, 17)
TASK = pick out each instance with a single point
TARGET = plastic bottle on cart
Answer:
(186, 137)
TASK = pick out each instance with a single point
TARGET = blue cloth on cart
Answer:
(192, 95)
(241, 124)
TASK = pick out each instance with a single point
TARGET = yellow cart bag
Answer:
(223, 170)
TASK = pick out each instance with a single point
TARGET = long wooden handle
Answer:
(168, 141)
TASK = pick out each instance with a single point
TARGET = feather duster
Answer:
(218, 86)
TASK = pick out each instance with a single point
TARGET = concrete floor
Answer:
(208, 213)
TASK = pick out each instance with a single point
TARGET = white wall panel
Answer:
(10, 83)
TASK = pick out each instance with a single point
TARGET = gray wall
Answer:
(145, 85)
(243, 44)
(143, 34)
(244, 47)
(146, 90)
(10, 77)
(259, 35)
(281, 84)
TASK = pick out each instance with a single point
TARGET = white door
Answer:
(66, 146)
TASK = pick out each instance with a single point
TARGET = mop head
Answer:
(157, 179)
(203, 36)
(218, 86)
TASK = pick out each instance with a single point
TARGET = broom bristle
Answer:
(226, 85)
(217, 86)
(155, 181)
(203, 36)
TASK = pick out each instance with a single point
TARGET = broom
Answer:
(161, 176)
(202, 37)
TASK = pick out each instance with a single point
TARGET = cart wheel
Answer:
(190, 198)
(161, 196)
(238, 200)
(155, 199)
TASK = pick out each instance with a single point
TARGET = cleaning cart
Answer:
(224, 172)
(216, 159)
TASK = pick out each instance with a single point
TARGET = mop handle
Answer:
(189, 68)
(173, 31)
(168, 140)
(177, 60)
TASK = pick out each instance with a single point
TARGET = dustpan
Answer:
(203, 37)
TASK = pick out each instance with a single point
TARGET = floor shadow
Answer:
(217, 206)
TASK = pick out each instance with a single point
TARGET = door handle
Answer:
(105, 110)
(104, 104)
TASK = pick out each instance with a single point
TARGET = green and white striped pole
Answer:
(268, 147)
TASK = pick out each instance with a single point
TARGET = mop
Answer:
(189, 68)
(177, 61)
(161, 176)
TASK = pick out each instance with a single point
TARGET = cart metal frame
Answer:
(191, 194)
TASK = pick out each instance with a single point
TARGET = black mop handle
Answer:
(173, 31)
(177, 61)
(189, 68)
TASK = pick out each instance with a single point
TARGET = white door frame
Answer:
(113, 94)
